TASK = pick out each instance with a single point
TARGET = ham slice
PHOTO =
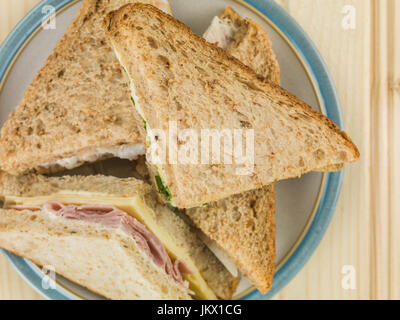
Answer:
(113, 217)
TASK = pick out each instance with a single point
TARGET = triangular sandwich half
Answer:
(242, 230)
(77, 108)
(179, 81)
(109, 235)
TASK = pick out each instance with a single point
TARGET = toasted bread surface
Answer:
(197, 85)
(78, 101)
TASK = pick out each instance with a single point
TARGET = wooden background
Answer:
(365, 232)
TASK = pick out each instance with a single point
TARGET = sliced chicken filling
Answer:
(128, 152)
(221, 32)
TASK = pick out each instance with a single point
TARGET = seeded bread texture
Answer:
(180, 77)
(252, 46)
(244, 227)
(214, 273)
(104, 260)
(78, 101)
(32, 185)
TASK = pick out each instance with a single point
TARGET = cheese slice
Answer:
(136, 207)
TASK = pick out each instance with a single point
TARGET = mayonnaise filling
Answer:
(228, 263)
(152, 140)
(128, 152)
(220, 32)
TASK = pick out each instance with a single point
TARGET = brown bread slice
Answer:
(187, 80)
(244, 227)
(77, 102)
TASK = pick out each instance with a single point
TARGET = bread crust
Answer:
(32, 185)
(296, 151)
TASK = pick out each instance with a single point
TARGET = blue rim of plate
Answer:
(325, 86)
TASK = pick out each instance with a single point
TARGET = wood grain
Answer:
(365, 65)
(394, 148)
(386, 148)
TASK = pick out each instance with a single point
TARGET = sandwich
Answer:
(109, 235)
(77, 108)
(178, 79)
(91, 13)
